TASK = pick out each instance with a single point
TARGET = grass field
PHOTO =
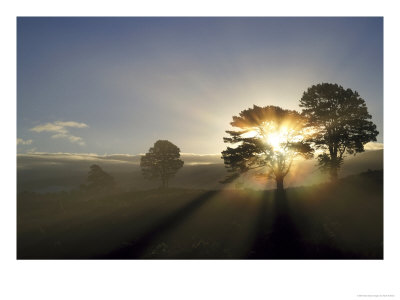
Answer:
(326, 221)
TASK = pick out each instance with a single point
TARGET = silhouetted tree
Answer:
(269, 138)
(161, 162)
(339, 121)
(98, 180)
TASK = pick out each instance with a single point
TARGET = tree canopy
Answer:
(268, 139)
(161, 162)
(340, 123)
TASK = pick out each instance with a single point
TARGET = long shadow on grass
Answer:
(138, 246)
(283, 239)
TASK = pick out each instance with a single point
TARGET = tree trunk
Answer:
(279, 183)
(333, 170)
(164, 182)
(334, 165)
(334, 173)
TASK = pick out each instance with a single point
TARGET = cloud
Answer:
(188, 158)
(58, 126)
(373, 146)
(76, 139)
(71, 124)
(23, 142)
(201, 159)
(32, 150)
(59, 136)
(61, 130)
(70, 137)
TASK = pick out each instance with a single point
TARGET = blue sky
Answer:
(116, 85)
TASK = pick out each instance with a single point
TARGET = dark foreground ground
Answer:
(328, 221)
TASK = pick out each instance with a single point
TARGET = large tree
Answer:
(268, 139)
(161, 162)
(340, 123)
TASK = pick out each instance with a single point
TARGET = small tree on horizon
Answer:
(161, 162)
(269, 139)
(98, 180)
(340, 123)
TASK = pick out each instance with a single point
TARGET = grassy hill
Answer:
(342, 220)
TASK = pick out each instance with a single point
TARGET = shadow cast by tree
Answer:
(137, 247)
(279, 238)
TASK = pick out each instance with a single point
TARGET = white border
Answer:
(197, 279)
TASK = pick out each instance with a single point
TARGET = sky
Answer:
(117, 85)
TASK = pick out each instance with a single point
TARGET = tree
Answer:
(161, 162)
(98, 180)
(340, 123)
(268, 139)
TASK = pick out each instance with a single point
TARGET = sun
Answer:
(276, 137)
(275, 140)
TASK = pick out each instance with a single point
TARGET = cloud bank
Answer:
(61, 130)
(26, 160)
(188, 158)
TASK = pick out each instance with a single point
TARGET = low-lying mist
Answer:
(56, 172)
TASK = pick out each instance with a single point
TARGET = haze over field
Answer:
(55, 172)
